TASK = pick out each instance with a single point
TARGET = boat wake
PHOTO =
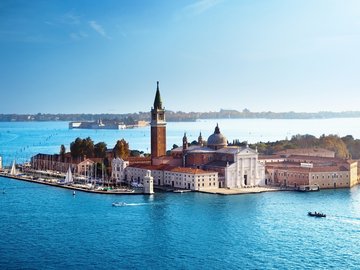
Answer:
(131, 204)
(344, 219)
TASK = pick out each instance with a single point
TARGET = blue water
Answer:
(45, 227)
(21, 140)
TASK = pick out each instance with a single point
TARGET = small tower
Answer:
(148, 183)
(0, 163)
(200, 140)
(185, 142)
(158, 127)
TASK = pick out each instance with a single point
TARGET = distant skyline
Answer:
(106, 56)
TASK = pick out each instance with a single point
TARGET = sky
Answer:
(74, 56)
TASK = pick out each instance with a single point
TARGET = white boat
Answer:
(181, 190)
(119, 204)
(308, 188)
(68, 178)
(13, 169)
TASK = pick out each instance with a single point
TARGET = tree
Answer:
(82, 147)
(62, 153)
(100, 150)
(75, 148)
(304, 141)
(136, 153)
(174, 146)
(334, 143)
(121, 149)
(88, 147)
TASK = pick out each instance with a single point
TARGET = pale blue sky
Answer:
(106, 56)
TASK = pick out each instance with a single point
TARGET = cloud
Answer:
(78, 36)
(201, 6)
(70, 18)
(98, 28)
(195, 9)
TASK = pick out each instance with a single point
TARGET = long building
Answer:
(297, 170)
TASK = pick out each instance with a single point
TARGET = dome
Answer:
(217, 140)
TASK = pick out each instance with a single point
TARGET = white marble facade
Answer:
(246, 171)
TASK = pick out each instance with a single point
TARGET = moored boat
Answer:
(308, 188)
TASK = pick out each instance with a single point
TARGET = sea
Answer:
(44, 227)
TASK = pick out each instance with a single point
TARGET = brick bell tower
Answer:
(158, 127)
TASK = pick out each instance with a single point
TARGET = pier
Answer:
(75, 187)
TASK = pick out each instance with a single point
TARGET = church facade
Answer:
(237, 167)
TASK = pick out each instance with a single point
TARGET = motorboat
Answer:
(181, 190)
(119, 204)
(316, 214)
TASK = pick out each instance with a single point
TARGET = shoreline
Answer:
(242, 191)
(16, 177)
(217, 191)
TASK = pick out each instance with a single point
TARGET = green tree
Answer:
(88, 147)
(194, 143)
(174, 146)
(75, 148)
(121, 149)
(81, 147)
(62, 153)
(136, 153)
(100, 150)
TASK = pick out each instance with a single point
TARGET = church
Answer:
(208, 165)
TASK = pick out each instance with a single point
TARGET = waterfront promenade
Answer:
(124, 191)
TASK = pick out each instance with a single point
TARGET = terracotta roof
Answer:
(165, 167)
(189, 170)
(270, 157)
(315, 169)
(161, 167)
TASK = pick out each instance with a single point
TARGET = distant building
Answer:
(175, 177)
(118, 166)
(86, 168)
(0, 163)
(325, 172)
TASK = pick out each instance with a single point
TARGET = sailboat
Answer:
(69, 178)
(13, 169)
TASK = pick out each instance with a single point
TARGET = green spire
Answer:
(157, 101)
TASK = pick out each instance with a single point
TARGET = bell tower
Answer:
(158, 127)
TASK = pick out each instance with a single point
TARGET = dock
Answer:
(72, 187)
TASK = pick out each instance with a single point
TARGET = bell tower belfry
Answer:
(158, 127)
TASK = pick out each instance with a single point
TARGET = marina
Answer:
(74, 187)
